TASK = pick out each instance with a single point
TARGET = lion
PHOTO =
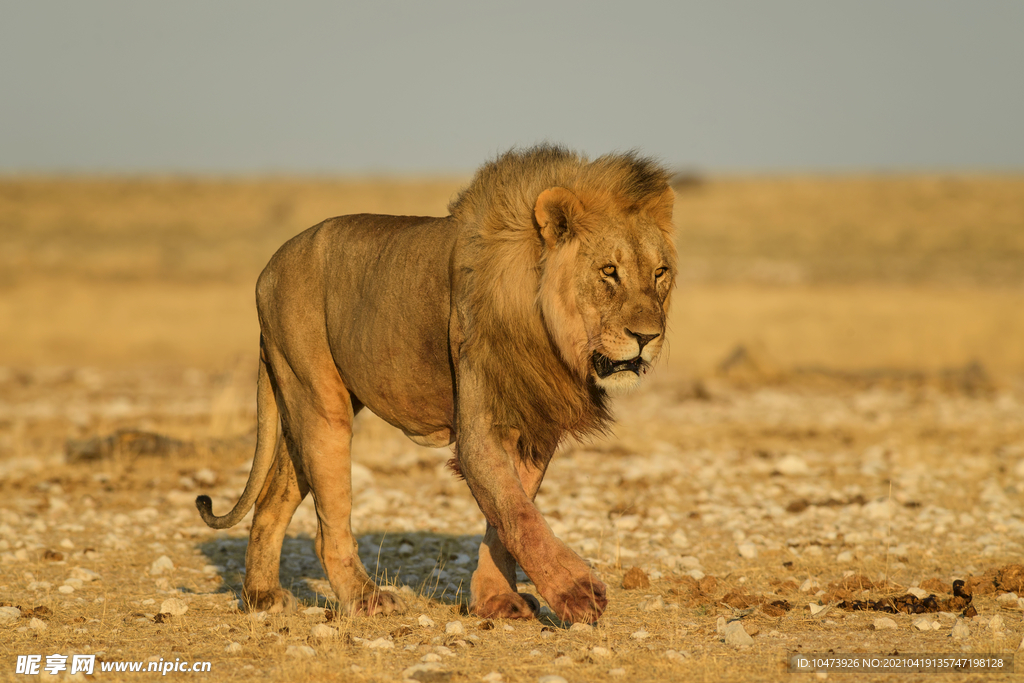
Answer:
(499, 329)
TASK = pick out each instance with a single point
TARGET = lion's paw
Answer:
(376, 601)
(273, 601)
(583, 602)
(508, 606)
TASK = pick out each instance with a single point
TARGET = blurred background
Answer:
(850, 176)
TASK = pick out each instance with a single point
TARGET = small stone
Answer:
(792, 465)
(736, 635)
(810, 585)
(300, 651)
(923, 624)
(919, 593)
(379, 644)
(676, 656)
(444, 651)
(173, 606)
(431, 657)
(160, 565)
(233, 648)
(884, 624)
(617, 672)
(655, 605)
(551, 679)
(323, 632)
(37, 624)
(426, 621)
(428, 672)
(9, 614)
(815, 608)
(636, 578)
(83, 574)
(454, 628)
(599, 651)
(1007, 597)
(639, 635)
(314, 611)
(258, 617)
(696, 574)
(996, 624)
(961, 630)
(747, 550)
(679, 539)
(580, 627)
(844, 557)
(493, 677)
(720, 625)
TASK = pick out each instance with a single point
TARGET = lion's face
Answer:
(605, 287)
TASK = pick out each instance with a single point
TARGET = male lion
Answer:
(501, 328)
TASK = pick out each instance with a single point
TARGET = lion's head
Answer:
(565, 267)
(605, 282)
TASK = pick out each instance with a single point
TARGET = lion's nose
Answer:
(642, 339)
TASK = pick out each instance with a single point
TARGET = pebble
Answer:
(37, 624)
(300, 651)
(996, 624)
(323, 632)
(844, 557)
(747, 550)
(493, 677)
(431, 657)
(809, 585)
(83, 574)
(580, 627)
(9, 614)
(926, 624)
(639, 635)
(918, 592)
(655, 605)
(551, 678)
(426, 621)
(233, 648)
(66, 589)
(1007, 597)
(599, 651)
(792, 465)
(426, 668)
(884, 624)
(815, 608)
(314, 611)
(174, 606)
(454, 628)
(444, 651)
(160, 565)
(736, 635)
(379, 644)
(961, 630)
(676, 656)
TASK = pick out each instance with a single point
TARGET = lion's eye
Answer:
(660, 271)
(608, 271)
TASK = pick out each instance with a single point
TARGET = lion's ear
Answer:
(556, 211)
(661, 207)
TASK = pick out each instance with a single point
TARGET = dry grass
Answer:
(128, 304)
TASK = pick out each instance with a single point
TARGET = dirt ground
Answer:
(839, 425)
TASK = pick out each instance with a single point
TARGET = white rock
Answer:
(74, 583)
(599, 651)
(580, 627)
(83, 574)
(551, 679)
(792, 465)
(720, 625)
(1007, 597)
(845, 556)
(961, 630)
(811, 584)
(300, 651)
(160, 565)
(233, 648)
(918, 592)
(884, 624)
(815, 608)
(655, 605)
(379, 644)
(66, 589)
(205, 476)
(40, 586)
(9, 614)
(323, 632)
(736, 635)
(747, 550)
(454, 628)
(314, 611)
(696, 574)
(680, 540)
(173, 606)
(37, 624)
(996, 624)
(431, 657)
(426, 621)
(923, 624)
(258, 617)
(689, 562)
(639, 635)
(411, 672)
(676, 656)
(493, 677)
(444, 651)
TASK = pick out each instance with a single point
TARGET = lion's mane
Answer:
(507, 340)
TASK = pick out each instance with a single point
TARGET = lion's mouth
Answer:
(605, 366)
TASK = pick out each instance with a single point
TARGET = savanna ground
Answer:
(840, 418)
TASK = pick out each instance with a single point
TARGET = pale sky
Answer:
(211, 86)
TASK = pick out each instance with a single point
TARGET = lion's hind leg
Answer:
(281, 495)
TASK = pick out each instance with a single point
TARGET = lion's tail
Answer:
(266, 443)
